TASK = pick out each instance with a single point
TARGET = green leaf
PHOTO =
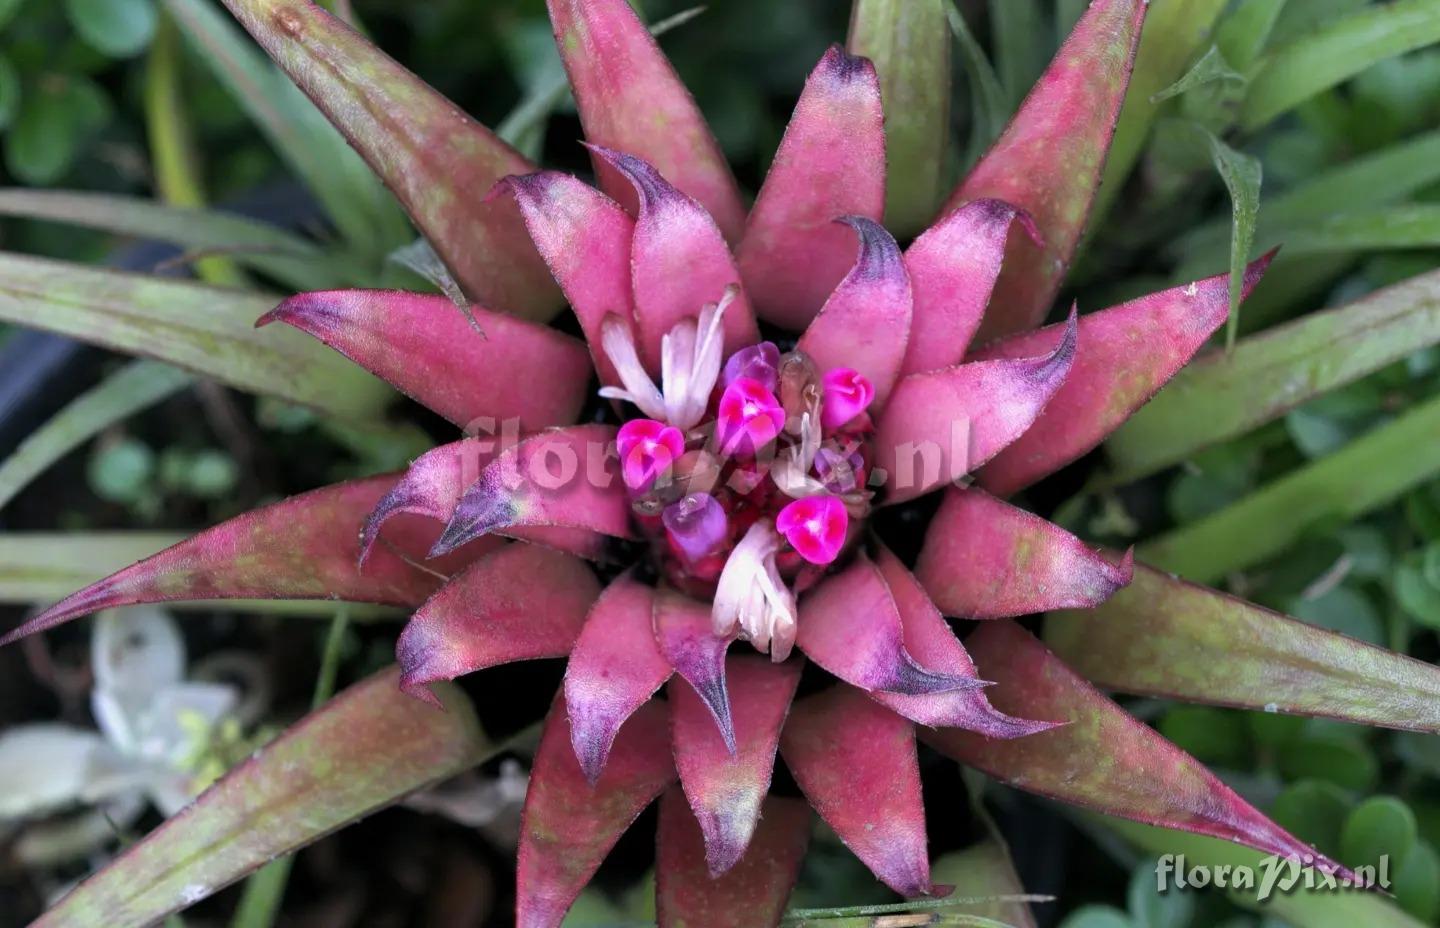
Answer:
(1242, 34)
(1221, 396)
(1344, 610)
(1343, 761)
(1242, 175)
(1175, 32)
(58, 115)
(1339, 50)
(1392, 458)
(984, 869)
(42, 567)
(1163, 637)
(192, 326)
(907, 42)
(8, 9)
(9, 92)
(1408, 226)
(988, 107)
(1211, 67)
(1313, 908)
(1416, 592)
(134, 387)
(359, 753)
(1214, 736)
(117, 28)
(1150, 909)
(286, 257)
(1097, 916)
(1314, 811)
(356, 201)
(1417, 885)
(1016, 37)
(1380, 825)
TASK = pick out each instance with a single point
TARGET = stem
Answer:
(177, 174)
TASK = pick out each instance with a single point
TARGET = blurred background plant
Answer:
(1298, 466)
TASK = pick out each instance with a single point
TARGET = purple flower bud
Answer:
(758, 362)
(839, 472)
(696, 525)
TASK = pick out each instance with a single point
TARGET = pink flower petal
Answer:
(847, 393)
(521, 602)
(305, 547)
(726, 786)
(831, 163)
(562, 478)
(815, 526)
(584, 237)
(953, 267)
(1049, 159)
(614, 669)
(568, 826)
(683, 632)
(750, 417)
(426, 348)
(849, 625)
(1110, 379)
(942, 425)
(647, 451)
(1144, 777)
(855, 762)
(679, 261)
(630, 99)
(752, 893)
(930, 639)
(865, 324)
(986, 559)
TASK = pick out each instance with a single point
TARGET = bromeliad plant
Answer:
(726, 490)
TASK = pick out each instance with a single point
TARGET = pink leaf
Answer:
(614, 669)
(518, 603)
(584, 237)
(678, 260)
(1144, 777)
(930, 639)
(831, 163)
(566, 478)
(726, 785)
(849, 625)
(753, 893)
(986, 559)
(305, 547)
(1126, 354)
(942, 425)
(865, 324)
(855, 762)
(426, 348)
(683, 630)
(630, 99)
(568, 826)
(953, 267)
(436, 159)
(1049, 159)
(434, 484)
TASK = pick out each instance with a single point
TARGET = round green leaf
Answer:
(1346, 610)
(1314, 811)
(1215, 736)
(57, 117)
(1097, 916)
(1337, 759)
(1150, 909)
(1417, 883)
(1380, 825)
(1416, 594)
(119, 28)
(121, 472)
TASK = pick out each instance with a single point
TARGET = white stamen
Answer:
(752, 596)
(677, 360)
(791, 472)
(619, 345)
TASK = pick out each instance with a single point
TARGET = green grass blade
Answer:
(1396, 227)
(137, 386)
(1242, 35)
(202, 329)
(1369, 472)
(1211, 67)
(1242, 175)
(1221, 396)
(1018, 40)
(988, 106)
(1339, 50)
(288, 258)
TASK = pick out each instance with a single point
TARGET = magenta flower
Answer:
(759, 538)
